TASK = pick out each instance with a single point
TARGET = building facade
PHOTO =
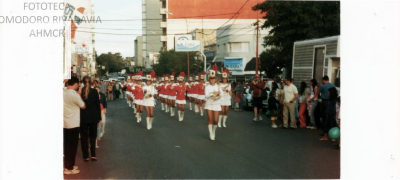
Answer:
(79, 54)
(235, 48)
(316, 58)
(186, 17)
(152, 29)
(139, 59)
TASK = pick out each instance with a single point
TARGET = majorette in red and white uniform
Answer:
(200, 90)
(138, 93)
(213, 93)
(128, 87)
(190, 92)
(166, 93)
(195, 93)
(149, 91)
(225, 98)
(160, 89)
(180, 90)
(172, 94)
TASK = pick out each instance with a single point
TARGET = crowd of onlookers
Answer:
(85, 106)
(313, 105)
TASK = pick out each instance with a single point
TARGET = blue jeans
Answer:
(312, 117)
(98, 131)
(296, 109)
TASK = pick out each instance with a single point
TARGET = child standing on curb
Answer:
(273, 108)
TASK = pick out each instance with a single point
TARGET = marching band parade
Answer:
(212, 96)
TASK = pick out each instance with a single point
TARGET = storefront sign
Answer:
(234, 65)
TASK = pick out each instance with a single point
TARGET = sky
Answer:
(117, 10)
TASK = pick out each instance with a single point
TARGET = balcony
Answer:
(163, 11)
(163, 38)
(163, 24)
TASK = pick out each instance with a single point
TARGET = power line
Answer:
(136, 29)
(237, 13)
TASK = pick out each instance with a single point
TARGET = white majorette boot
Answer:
(196, 110)
(213, 132)
(148, 122)
(224, 122)
(170, 109)
(129, 104)
(182, 113)
(219, 120)
(201, 111)
(140, 117)
(137, 117)
(134, 109)
(190, 104)
(179, 115)
(151, 122)
(173, 111)
(210, 130)
(162, 106)
(167, 109)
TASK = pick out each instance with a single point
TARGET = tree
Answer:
(112, 62)
(291, 21)
(172, 61)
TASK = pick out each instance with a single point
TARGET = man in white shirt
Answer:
(290, 95)
(122, 90)
(72, 104)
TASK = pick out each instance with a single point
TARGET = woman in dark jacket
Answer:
(90, 117)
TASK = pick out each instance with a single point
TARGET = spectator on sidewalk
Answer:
(90, 118)
(304, 93)
(123, 89)
(103, 87)
(272, 106)
(72, 105)
(290, 95)
(117, 88)
(110, 91)
(239, 94)
(257, 86)
(324, 91)
(312, 102)
(281, 103)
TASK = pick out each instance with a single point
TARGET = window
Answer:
(225, 48)
(238, 47)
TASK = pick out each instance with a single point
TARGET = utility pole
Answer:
(188, 72)
(257, 51)
(257, 46)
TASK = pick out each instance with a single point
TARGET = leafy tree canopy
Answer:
(291, 21)
(172, 61)
(112, 62)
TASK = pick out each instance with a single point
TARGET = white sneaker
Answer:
(74, 171)
(75, 167)
(274, 126)
(260, 118)
(255, 119)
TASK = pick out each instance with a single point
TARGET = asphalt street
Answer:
(183, 150)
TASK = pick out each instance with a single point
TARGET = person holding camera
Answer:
(257, 86)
